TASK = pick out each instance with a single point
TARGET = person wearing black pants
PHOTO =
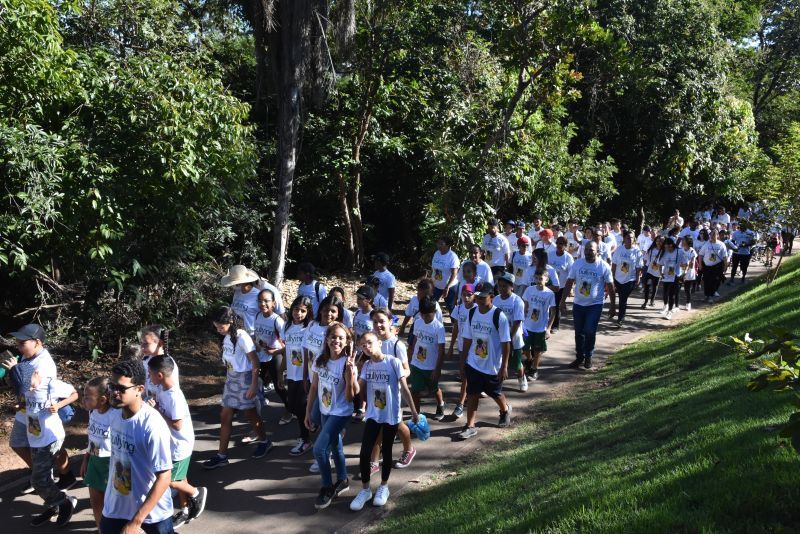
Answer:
(557, 318)
(625, 268)
(296, 396)
(272, 371)
(714, 256)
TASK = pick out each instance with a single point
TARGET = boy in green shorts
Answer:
(172, 405)
(540, 308)
(512, 306)
(427, 355)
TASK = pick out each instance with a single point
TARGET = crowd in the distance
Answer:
(330, 365)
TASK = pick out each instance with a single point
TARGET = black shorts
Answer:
(478, 383)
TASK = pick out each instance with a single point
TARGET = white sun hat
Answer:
(239, 274)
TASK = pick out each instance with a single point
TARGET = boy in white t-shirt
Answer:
(426, 351)
(137, 496)
(520, 261)
(172, 405)
(386, 280)
(540, 308)
(309, 286)
(512, 306)
(459, 317)
(495, 248)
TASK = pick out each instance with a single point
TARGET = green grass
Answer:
(664, 438)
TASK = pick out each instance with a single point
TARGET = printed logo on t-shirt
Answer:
(586, 288)
(327, 397)
(654, 266)
(122, 475)
(671, 270)
(481, 347)
(34, 426)
(437, 275)
(535, 315)
(422, 354)
(712, 258)
(518, 273)
(379, 398)
(94, 450)
(488, 254)
(297, 358)
(625, 268)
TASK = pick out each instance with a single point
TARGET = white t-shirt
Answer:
(316, 291)
(514, 309)
(530, 273)
(140, 448)
(173, 406)
(617, 237)
(44, 427)
(315, 339)
(724, 219)
(670, 266)
(486, 352)
(644, 241)
(347, 320)
(383, 390)
(539, 304)
(460, 314)
(46, 367)
(413, 309)
(688, 257)
(590, 280)
(713, 253)
(561, 265)
(99, 432)
(235, 359)
(387, 282)
(574, 241)
(519, 264)
(534, 236)
(651, 259)
(362, 323)
(428, 338)
(550, 248)
(495, 250)
(331, 387)
(482, 272)
(395, 348)
(627, 260)
(293, 336)
(246, 306)
(276, 295)
(689, 232)
(151, 390)
(603, 251)
(441, 264)
(267, 334)
(512, 241)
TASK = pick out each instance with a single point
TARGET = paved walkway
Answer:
(278, 491)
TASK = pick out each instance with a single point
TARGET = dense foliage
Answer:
(139, 144)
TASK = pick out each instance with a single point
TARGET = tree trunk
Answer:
(355, 191)
(348, 227)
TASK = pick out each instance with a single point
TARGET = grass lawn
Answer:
(664, 438)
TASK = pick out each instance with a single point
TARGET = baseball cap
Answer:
(507, 277)
(484, 289)
(546, 233)
(468, 288)
(30, 331)
(524, 240)
(521, 224)
(512, 222)
(367, 292)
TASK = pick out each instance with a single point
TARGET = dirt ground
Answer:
(197, 353)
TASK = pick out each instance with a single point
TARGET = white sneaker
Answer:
(361, 499)
(663, 310)
(716, 293)
(523, 383)
(381, 495)
(688, 307)
(668, 316)
(314, 468)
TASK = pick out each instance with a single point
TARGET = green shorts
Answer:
(180, 468)
(97, 473)
(419, 380)
(536, 342)
(515, 359)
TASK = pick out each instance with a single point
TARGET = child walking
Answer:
(540, 307)
(268, 326)
(383, 379)
(241, 385)
(297, 368)
(427, 355)
(94, 469)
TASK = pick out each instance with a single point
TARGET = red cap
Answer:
(524, 240)
(546, 233)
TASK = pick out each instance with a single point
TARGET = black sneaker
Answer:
(180, 519)
(324, 498)
(44, 517)
(576, 363)
(262, 449)
(439, 415)
(197, 504)
(340, 487)
(66, 481)
(587, 363)
(65, 510)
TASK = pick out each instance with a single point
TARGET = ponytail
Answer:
(226, 315)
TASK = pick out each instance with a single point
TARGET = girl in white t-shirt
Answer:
(688, 260)
(334, 385)
(347, 316)
(154, 341)
(241, 384)
(382, 378)
(296, 367)
(652, 271)
(94, 469)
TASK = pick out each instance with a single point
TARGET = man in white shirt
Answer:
(536, 228)
(722, 218)
(676, 221)
(496, 249)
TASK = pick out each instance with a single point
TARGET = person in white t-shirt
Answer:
(616, 231)
(722, 218)
(426, 355)
(574, 239)
(172, 405)
(675, 221)
(713, 264)
(137, 496)
(688, 260)
(269, 348)
(591, 278)
(382, 379)
(241, 385)
(334, 385)
(671, 273)
(626, 268)
(520, 232)
(540, 307)
(484, 357)
(309, 286)
(424, 289)
(561, 261)
(513, 307)
(247, 284)
(509, 230)
(495, 248)
(296, 364)
(536, 229)
(521, 259)
(459, 317)
(444, 268)
(386, 280)
(94, 468)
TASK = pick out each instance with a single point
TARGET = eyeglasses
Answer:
(116, 388)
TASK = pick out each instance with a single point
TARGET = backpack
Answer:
(316, 289)
(67, 412)
(495, 317)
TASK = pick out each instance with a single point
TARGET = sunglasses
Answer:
(116, 388)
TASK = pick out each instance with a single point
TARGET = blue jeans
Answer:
(42, 459)
(586, 319)
(113, 526)
(330, 439)
(316, 415)
(450, 301)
